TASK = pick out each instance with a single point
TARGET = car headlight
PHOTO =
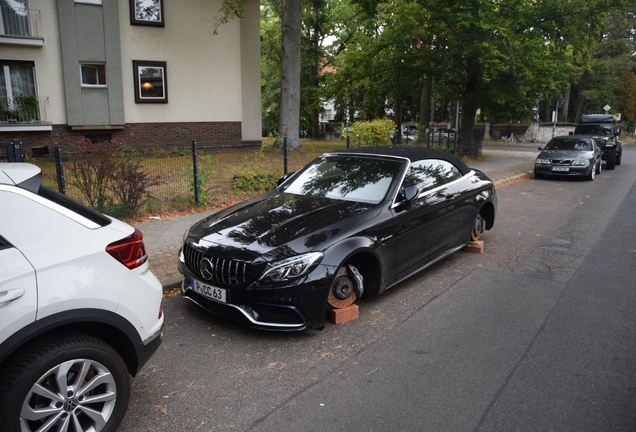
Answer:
(543, 161)
(291, 268)
(581, 163)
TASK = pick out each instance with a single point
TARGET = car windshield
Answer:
(593, 129)
(581, 145)
(350, 178)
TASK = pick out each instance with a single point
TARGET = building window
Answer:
(146, 12)
(18, 100)
(151, 81)
(97, 2)
(93, 75)
(14, 18)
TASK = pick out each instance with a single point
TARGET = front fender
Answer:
(340, 252)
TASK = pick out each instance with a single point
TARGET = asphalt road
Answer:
(537, 333)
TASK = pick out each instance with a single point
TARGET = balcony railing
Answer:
(25, 110)
(19, 22)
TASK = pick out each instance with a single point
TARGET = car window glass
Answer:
(73, 205)
(426, 174)
(594, 129)
(449, 172)
(580, 145)
(349, 178)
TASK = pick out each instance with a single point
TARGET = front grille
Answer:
(224, 271)
(561, 161)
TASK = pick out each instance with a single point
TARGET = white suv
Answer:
(79, 310)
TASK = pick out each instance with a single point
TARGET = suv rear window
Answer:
(593, 129)
(75, 206)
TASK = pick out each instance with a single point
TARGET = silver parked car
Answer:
(570, 156)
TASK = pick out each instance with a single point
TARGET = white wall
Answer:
(203, 69)
(544, 133)
(251, 126)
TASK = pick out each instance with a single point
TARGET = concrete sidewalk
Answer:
(163, 237)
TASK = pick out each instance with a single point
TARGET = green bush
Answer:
(111, 180)
(254, 177)
(370, 133)
(28, 107)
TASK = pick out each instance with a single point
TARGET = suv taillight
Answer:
(129, 251)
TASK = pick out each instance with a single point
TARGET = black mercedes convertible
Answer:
(350, 223)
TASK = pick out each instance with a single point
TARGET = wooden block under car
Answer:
(475, 246)
(339, 316)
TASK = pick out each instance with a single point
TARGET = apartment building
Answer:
(146, 73)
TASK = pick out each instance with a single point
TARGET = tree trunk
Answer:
(433, 111)
(470, 104)
(581, 99)
(425, 103)
(289, 115)
(566, 104)
(352, 111)
(398, 118)
(315, 40)
(466, 144)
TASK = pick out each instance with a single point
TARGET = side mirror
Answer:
(540, 148)
(410, 192)
(283, 178)
(570, 133)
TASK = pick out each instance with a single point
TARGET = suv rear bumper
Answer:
(148, 347)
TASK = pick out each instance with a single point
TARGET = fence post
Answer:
(18, 151)
(195, 168)
(284, 156)
(348, 142)
(59, 170)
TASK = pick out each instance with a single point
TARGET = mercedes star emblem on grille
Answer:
(206, 268)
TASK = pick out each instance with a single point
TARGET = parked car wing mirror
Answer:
(410, 192)
(570, 133)
(285, 177)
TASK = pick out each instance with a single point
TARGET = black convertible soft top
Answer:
(412, 153)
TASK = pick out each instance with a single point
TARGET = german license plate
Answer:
(561, 169)
(209, 291)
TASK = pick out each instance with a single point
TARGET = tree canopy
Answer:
(408, 59)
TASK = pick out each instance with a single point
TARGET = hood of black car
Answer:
(277, 223)
(565, 154)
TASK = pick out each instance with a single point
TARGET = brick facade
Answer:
(141, 136)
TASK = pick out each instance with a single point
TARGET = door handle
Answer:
(450, 196)
(9, 296)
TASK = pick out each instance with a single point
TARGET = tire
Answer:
(599, 167)
(60, 361)
(592, 175)
(619, 157)
(478, 228)
(537, 174)
(611, 160)
(513, 140)
(342, 292)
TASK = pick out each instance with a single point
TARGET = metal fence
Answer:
(128, 183)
